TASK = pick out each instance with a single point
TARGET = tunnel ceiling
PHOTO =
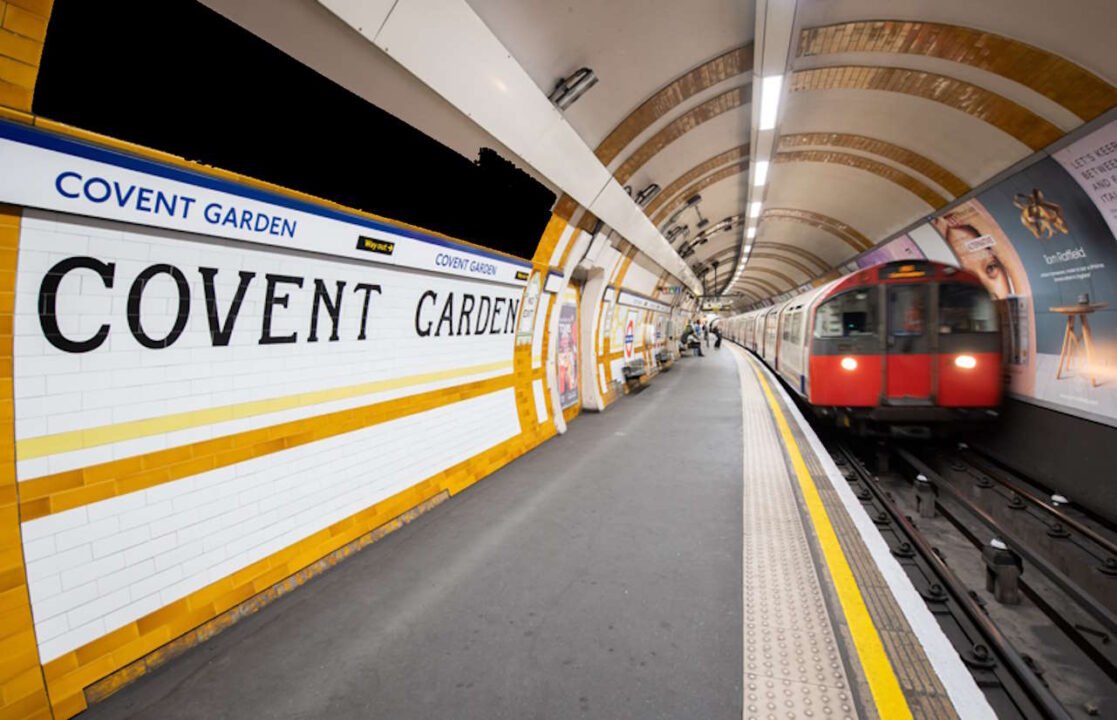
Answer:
(890, 110)
(672, 103)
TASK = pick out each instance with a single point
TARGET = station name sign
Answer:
(50, 172)
(633, 300)
(309, 309)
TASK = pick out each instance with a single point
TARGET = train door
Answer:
(908, 366)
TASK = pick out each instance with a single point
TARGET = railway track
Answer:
(1013, 688)
(1071, 556)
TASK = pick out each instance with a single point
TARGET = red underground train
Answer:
(902, 348)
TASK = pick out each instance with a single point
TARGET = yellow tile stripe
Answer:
(883, 684)
(68, 675)
(45, 445)
(551, 234)
(74, 488)
(22, 688)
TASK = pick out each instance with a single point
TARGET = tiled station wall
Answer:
(159, 487)
(23, 27)
(187, 464)
(152, 493)
(627, 271)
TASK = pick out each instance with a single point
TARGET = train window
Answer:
(797, 326)
(907, 308)
(852, 313)
(965, 309)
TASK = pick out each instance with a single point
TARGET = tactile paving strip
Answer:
(793, 666)
(926, 696)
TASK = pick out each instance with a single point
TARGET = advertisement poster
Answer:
(1092, 162)
(567, 350)
(986, 251)
(1042, 241)
(901, 248)
(526, 330)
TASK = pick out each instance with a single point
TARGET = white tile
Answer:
(131, 611)
(126, 577)
(155, 582)
(43, 588)
(51, 628)
(58, 562)
(63, 602)
(86, 534)
(37, 549)
(97, 608)
(89, 571)
(121, 541)
(75, 638)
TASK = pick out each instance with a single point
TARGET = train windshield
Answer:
(851, 314)
(965, 309)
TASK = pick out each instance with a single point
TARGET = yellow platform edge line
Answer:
(883, 683)
(44, 445)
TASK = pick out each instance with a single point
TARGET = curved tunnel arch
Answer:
(1021, 123)
(772, 257)
(900, 155)
(776, 274)
(688, 121)
(728, 65)
(841, 230)
(859, 162)
(675, 187)
(1056, 78)
(712, 179)
(796, 251)
(751, 294)
(764, 285)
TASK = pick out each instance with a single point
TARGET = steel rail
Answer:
(1064, 583)
(997, 475)
(1041, 697)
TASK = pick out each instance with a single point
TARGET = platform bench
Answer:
(634, 371)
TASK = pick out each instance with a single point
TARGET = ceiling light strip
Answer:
(775, 25)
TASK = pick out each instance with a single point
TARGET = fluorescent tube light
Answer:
(770, 101)
(754, 209)
(750, 233)
(761, 175)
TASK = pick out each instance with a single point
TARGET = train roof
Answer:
(894, 271)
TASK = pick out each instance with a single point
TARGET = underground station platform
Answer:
(688, 553)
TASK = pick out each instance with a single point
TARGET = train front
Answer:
(907, 348)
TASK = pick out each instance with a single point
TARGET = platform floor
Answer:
(685, 554)
(598, 576)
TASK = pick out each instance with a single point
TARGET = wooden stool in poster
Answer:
(1071, 342)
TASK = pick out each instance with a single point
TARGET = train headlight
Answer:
(966, 362)
(849, 363)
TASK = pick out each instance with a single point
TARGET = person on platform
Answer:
(699, 332)
(684, 338)
(717, 333)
